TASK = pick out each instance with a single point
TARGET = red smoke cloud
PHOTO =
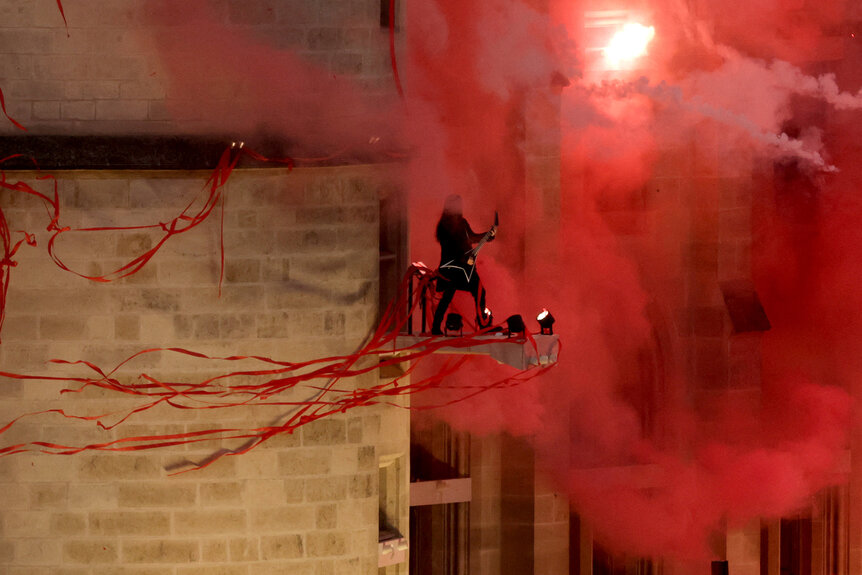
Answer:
(721, 95)
(722, 462)
(222, 79)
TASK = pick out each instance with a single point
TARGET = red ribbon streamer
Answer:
(276, 377)
(188, 219)
(5, 113)
(63, 14)
(182, 223)
(392, 57)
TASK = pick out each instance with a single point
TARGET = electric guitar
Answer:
(467, 264)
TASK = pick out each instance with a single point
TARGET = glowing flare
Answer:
(629, 43)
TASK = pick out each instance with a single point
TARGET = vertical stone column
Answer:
(485, 522)
(551, 529)
(743, 549)
(772, 553)
(854, 506)
(542, 162)
(542, 179)
(517, 512)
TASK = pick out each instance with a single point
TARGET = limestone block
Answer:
(122, 110)
(90, 551)
(14, 496)
(129, 523)
(243, 549)
(364, 485)
(220, 493)
(48, 495)
(68, 523)
(93, 495)
(264, 492)
(91, 89)
(281, 547)
(326, 516)
(83, 110)
(284, 518)
(214, 551)
(26, 523)
(242, 270)
(326, 488)
(159, 551)
(63, 327)
(327, 543)
(46, 110)
(295, 567)
(326, 431)
(60, 66)
(155, 494)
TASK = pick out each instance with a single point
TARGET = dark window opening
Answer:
(795, 546)
(607, 563)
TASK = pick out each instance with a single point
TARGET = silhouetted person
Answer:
(458, 262)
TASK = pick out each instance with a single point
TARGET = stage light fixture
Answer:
(515, 325)
(454, 322)
(486, 320)
(546, 322)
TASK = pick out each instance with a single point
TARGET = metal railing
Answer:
(422, 283)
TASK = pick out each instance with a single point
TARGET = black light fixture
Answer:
(454, 322)
(515, 325)
(546, 322)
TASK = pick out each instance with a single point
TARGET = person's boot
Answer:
(435, 325)
(438, 321)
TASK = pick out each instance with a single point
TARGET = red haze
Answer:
(646, 157)
(723, 462)
(222, 80)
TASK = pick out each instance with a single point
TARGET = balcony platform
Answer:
(518, 352)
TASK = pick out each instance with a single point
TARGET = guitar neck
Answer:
(483, 241)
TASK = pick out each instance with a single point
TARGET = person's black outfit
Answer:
(456, 239)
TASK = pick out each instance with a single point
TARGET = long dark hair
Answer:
(452, 214)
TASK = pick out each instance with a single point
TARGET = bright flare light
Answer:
(629, 43)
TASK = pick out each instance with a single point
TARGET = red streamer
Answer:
(187, 220)
(392, 57)
(5, 113)
(63, 14)
(9, 250)
(271, 378)
(191, 217)
(270, 381)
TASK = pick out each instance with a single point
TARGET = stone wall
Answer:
(300, 282)
(102, 73)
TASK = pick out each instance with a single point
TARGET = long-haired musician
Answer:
(458, 262)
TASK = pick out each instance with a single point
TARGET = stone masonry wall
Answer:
(301, 269)
(102, 75)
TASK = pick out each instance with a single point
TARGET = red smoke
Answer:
(645, 159)
(715, 98)
(223, 80)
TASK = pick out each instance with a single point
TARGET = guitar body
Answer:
(459, 272)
